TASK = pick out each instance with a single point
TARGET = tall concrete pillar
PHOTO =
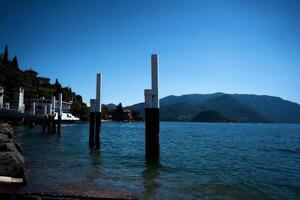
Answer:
(95, 115)
(152, 147)
(98, 110)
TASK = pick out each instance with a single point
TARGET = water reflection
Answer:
(95, 164)
(151, 184)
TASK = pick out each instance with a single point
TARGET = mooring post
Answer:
(95, 116)
(59, 113)
(52, 113)
(98, 110)
(32, 122)
(152, 115)
(44, 124)
(45, 110)
(92, 123)
(48, 124)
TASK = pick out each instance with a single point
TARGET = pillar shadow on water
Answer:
(95, 157)
(150, 175)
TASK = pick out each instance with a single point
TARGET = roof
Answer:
(30, 71)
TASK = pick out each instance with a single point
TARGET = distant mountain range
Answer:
(220, 107)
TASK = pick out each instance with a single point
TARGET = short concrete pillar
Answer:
(152, 146)
(95, 115)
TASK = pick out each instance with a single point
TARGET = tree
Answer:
(118, 115)
(78, 108)
(5, 56)
(15, 63)
(120, 108)
(57, 88)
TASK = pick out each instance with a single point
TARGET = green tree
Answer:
(78, 108)
(15, 63)
(57, 88)
(5, 56)
(118, 115)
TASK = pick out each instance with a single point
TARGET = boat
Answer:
(67, 117)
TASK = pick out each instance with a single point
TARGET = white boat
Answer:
(66, 117)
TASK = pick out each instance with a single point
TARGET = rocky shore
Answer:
(12, 163)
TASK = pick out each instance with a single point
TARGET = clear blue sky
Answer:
(232, 46)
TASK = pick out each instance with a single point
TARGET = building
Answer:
(30, 74)
(43, 81)
(43, 106)
(18, 100)
(127, 114)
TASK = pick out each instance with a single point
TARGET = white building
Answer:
(18, 100)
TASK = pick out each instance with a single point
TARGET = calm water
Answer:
(198, 160)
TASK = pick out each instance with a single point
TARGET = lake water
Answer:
(198, 160)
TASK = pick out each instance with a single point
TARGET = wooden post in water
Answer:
(95, 116)
(59, 113)
(152, 148)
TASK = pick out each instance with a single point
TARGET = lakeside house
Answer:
(119, 114)
(30, 74)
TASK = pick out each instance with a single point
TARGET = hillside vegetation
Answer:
(12, 77)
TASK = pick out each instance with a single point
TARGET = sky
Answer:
(204, 46)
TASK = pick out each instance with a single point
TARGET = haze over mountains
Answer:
(220, 107)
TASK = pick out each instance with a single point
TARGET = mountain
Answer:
(230, 107)
(210, 116)
(110, 106)
(273, 108)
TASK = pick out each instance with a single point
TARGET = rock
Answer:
(17, 142)
(11, 165)
(4, 138)
(7, 129)
(11, 147)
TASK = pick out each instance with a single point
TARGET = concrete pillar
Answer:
(152, 147)
(53, 105)
(95, 115)
(45, 110)
(92, 123)
(154, 80)
(33, 108)
(98, 110)
(59, 113)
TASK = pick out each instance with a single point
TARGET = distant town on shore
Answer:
(19, 88)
